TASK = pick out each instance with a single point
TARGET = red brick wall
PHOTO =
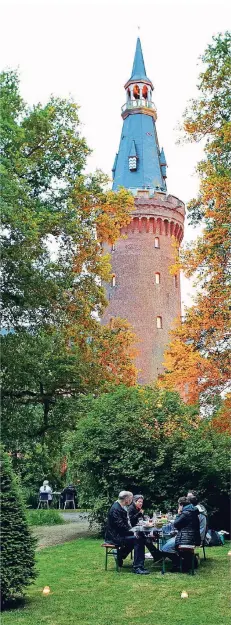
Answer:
(136, 296)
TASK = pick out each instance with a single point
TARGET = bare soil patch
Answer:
(51, 535)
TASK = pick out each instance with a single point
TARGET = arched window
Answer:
(145, 92)
(113, 247)
(176, 280)
(157, 242)
(157, 278)
(113, 282)
(136, 92)
(159, 323)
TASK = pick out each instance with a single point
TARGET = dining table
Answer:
(57, 495)
(156, 532)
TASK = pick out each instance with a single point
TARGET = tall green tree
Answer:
(54, 222)
(18, 545)
(198, 357)
(149, 441)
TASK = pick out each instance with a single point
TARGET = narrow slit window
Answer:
(157, 242)
(176, 280)
(159, 323)
(113, 247)
(113, 282)
(157, 278)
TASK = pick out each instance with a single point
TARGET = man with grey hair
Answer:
(118, 531)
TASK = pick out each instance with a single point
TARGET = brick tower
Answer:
(142, 289)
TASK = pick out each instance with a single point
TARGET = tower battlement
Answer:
(158, 215)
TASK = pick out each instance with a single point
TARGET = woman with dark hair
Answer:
(136, 513)
(135, 510)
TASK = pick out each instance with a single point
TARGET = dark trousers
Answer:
(128, 543)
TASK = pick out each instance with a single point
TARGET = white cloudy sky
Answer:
(86, 49)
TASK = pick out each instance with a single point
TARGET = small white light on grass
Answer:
(229, 553)
(184, 595)
(46, 590)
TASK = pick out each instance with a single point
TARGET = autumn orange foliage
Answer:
(222, 421)
(106, 352)
(197, 360)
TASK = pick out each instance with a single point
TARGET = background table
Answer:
(57, 495)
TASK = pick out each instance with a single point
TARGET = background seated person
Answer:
(194, 500)
(135, 510)
(45, 488)
(188, 530)
(118, 531)
(68, 490)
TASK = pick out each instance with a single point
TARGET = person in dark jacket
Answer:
(188, 529)
(118, 531)
(136, 513)
(193, 498)
(135, 510)
(68, 490)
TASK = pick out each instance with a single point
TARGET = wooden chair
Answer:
(183, 550)
(187, 549)
(111, 550)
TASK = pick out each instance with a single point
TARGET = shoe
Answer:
(140, 571)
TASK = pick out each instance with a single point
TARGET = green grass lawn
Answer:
(82, 592)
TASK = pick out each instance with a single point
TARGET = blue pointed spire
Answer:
(114, 165)
(163, 164)
(162, 158)
(137, 165)
(138, 70)
(133, 151)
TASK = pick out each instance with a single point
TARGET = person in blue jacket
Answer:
(188, 530)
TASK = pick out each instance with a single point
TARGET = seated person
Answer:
(45, 488)
(68, 490)
(194, 500)
(118, 531)
(135, 510)
(188, 529)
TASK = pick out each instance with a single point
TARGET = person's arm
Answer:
(181, 521)
(138, 515)
(120, 522)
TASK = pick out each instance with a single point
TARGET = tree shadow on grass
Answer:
(16, 603)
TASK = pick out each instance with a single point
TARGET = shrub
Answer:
(149, 441)
(44, 517)
(18, 546)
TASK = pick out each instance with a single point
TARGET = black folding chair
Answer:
(70, 499)
(43, 500)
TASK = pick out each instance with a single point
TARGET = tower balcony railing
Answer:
(142, 102)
